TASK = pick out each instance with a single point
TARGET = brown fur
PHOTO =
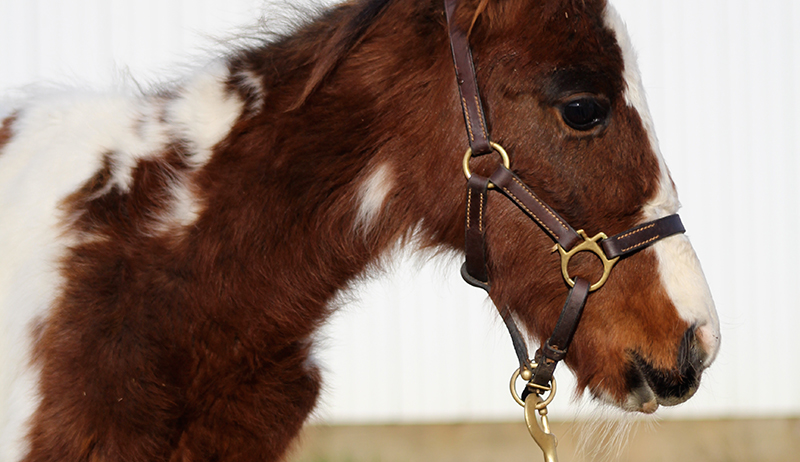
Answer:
(6, 130)
(194, 346)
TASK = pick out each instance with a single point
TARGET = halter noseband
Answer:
(538, 373)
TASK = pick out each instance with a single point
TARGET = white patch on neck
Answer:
(140, 137)
(372, 194)
(679, 266)
(204, 112)
(183, 210)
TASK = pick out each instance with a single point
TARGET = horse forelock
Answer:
(500, 14)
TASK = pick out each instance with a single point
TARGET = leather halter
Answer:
(568, 240)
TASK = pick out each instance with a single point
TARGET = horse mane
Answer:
(359, 17)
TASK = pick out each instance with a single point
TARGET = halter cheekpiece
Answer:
(540, 387)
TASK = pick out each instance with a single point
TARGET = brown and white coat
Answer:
(165, 258)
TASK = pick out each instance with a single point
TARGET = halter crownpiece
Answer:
(569, 242)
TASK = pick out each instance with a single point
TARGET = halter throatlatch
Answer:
(540, 388)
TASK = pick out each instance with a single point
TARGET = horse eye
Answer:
(583, 113)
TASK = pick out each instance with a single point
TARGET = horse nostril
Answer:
(692, 357)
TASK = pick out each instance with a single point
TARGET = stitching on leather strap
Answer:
(469, 123)
(624, 236)
(480, 217)
(524, 207)
(643, 243)
(547, 209)
(469, 208)
(480, 119)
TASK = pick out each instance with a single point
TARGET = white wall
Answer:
(722, 77)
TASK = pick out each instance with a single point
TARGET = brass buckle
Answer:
(526, 375)
(588, 245)
(499, 149)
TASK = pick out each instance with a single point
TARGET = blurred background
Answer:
(417, 361)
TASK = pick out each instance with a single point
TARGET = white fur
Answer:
(372, 194)
(53, 152)
(205, 111)
(679, 267)
(182, 211)
(59, 142)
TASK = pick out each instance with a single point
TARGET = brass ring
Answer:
(519, 400)
(496, 147)
(588, 245)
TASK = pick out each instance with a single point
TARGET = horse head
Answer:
(562, 94)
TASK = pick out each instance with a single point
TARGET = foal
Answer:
(167, 257)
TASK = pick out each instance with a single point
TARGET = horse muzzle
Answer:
(651, 387)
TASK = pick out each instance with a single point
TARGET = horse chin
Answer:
(651, 387)
(642, 397)
(642, 400)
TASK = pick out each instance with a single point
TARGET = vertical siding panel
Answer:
(20, 41)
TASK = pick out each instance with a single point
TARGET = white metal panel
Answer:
(419, 345)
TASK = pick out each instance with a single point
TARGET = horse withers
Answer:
(168, 256)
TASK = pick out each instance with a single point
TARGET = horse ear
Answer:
(480, 9)
(490, 13)
(343, 39)
(468, 11)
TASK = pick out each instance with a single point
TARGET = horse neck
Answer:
(311, 197)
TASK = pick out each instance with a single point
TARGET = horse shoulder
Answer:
(57, 153)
